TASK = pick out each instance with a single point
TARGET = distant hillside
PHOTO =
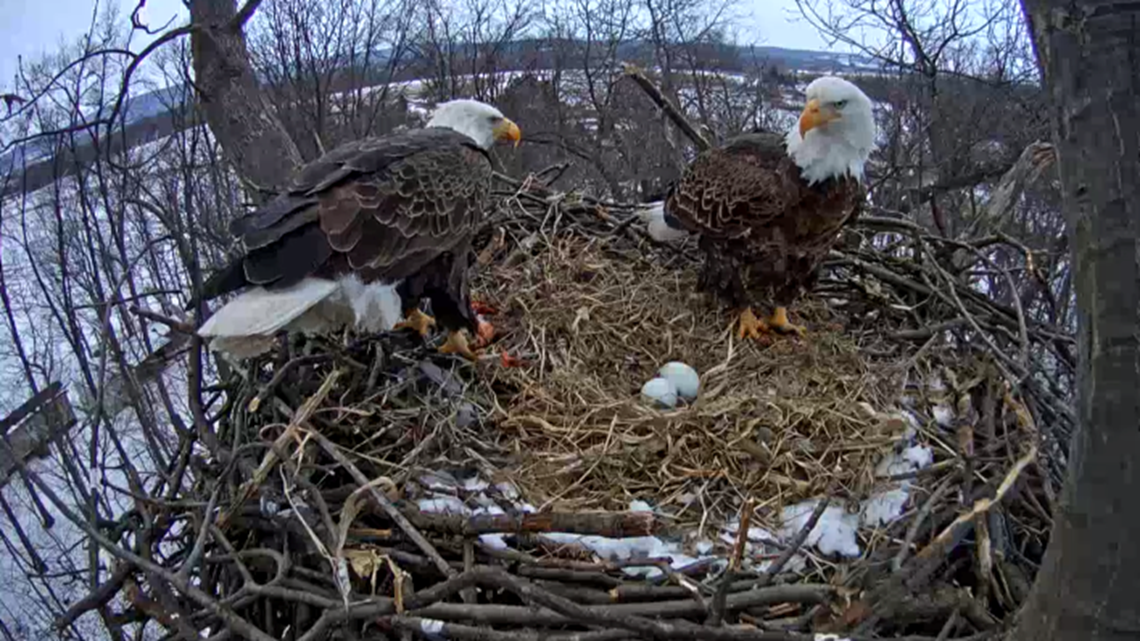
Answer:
(148, 115)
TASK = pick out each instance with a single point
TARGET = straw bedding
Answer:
(779, 420)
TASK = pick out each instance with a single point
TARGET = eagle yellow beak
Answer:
(814, 115)
(508, 130)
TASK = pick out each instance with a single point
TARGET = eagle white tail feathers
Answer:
(246, 326)
(657, 223)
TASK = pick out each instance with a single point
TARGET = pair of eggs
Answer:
(674, 380)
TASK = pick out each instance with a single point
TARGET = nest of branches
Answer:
(372, 488)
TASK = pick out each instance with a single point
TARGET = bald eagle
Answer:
(363, 234)
(769, 207)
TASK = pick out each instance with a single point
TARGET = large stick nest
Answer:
(369, 487)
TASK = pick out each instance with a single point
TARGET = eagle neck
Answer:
(462, 139)
(819, 159)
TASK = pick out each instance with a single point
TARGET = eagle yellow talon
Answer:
(748, 326)
(457, 344)
(779, 322)
(418, 321)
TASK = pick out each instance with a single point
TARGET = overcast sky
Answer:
(30, 28)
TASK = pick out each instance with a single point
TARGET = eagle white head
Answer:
(836, 131)
(477, 120)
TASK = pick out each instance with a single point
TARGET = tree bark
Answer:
(1089, 53)
(236, 110)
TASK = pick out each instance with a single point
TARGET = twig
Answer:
(614, 616)
(985, 559)
(468, 594)
(948, 628)
(203, 533)
(243, 15)
(181, 327)
(916, 523)
(883, 600)
(1022, 328)
(665, 105)
(391, 510)
(610, 524)
(716, 615)
(983, 505)
(468, 633)
(230, 618)
(98, 598)
(280, 375)
(952, 289)
(277, 448)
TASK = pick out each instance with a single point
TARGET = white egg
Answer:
(660, 391)
(683, 378)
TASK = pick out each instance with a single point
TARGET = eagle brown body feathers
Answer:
(763, 229)
(403, 207)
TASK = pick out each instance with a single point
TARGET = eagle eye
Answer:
(839, 104)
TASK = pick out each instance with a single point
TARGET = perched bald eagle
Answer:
(363, 234)
(768, 208)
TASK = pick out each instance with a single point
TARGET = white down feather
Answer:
(246, 325)
(653, 214)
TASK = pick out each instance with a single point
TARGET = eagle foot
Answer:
(457, 344)
(418, 321)
(779, 322)
(749, 326)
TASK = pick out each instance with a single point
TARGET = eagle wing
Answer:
(381, 207)
(732, 190)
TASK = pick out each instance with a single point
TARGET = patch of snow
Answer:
(486, 503)
(884, 507)
(688, 498)
(508, 490)
(943, 415)
(909, 460)
(432, 628)
(493, 541)
(755, 532)
(912, 422)
(936, 384)
(887, 505)
(475, 484)
(833, 533)
(920, 455)
(627, 549)
(439, 480)
(640, 506)
(443, 504)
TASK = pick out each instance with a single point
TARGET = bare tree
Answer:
(248, 128)
(110, 219)
(1088, 581)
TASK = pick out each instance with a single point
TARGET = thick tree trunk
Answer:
(1089, 585)
(237, 112)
